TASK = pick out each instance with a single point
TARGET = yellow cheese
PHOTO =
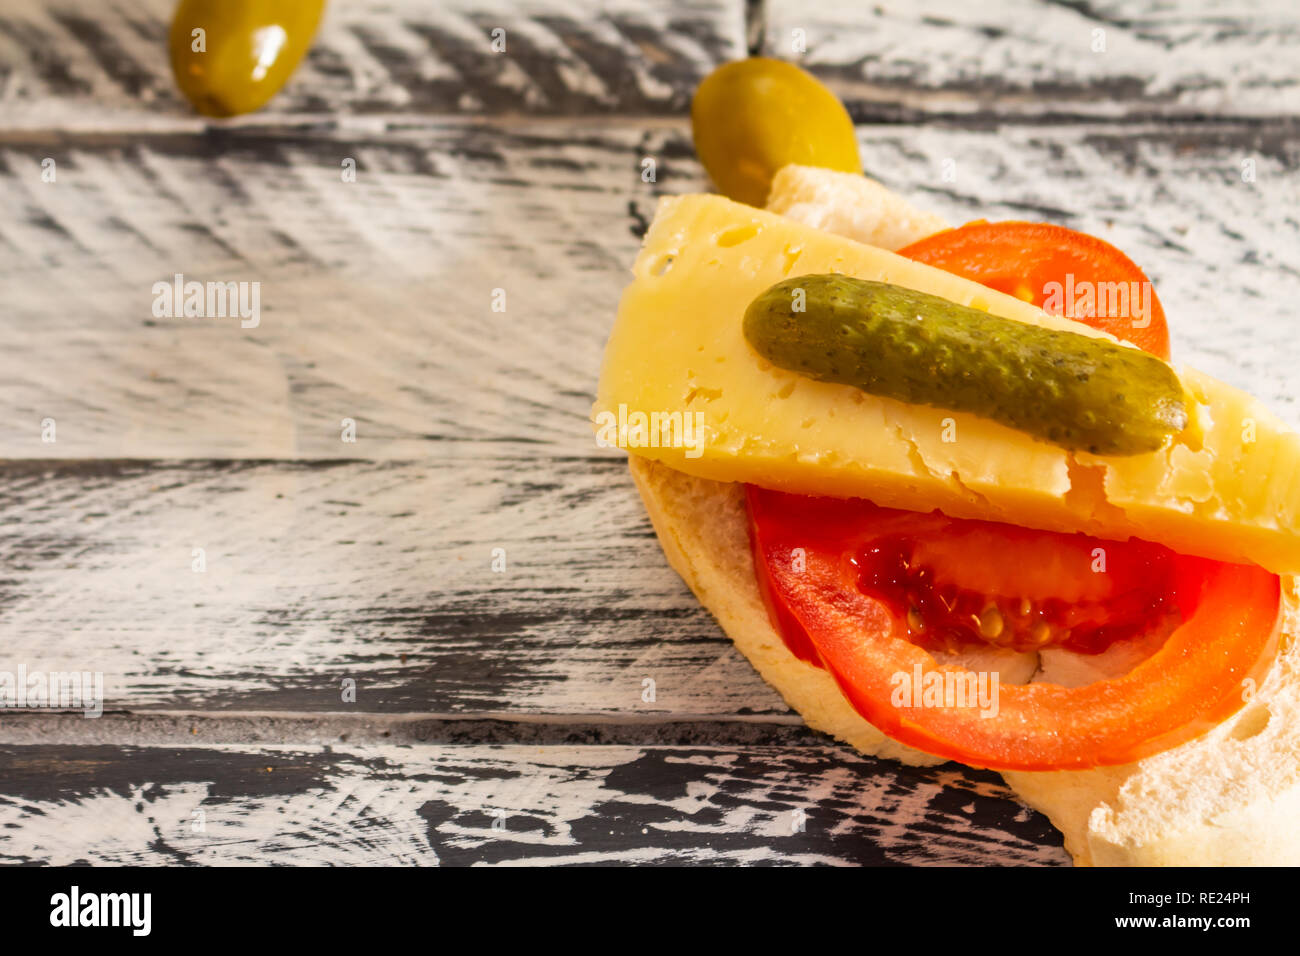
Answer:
(1228, 488)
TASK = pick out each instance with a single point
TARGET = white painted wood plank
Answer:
(1019, 59)
(64, 65)
(377, 295)
(382, 574)
(459, 806)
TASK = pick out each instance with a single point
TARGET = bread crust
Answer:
(701, 526)
(1231, 797)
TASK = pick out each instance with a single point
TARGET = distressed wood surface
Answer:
(381, 573)
(523, 690)
(349, 805)
(62, 66)
(377, 296)
(1030, 60)
(65, 66)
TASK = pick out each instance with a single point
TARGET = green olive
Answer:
(751, 117)
(231, 56)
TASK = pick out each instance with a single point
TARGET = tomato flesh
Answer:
(1057, 269)
(1033, 590)
(809, 557)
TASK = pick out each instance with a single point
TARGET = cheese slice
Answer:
(680, 384)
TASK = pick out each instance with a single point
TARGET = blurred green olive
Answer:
(751, 117)
(231, 56)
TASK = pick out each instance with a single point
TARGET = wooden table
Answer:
(500, 713)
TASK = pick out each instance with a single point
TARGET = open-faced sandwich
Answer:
(944, 490)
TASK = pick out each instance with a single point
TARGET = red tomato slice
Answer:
(815, 559)
(1062, 271)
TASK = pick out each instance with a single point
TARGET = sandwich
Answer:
(945, 490)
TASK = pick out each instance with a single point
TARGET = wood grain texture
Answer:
(66, 67)
(377, 296)
(1029, 60)
(458, 806)
(381, 573)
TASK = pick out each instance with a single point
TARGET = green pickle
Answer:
(231, 56)
(1075, 391)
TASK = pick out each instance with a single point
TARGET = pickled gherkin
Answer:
(1075, 391)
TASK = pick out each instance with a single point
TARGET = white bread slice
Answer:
(850, 205)
(1231, 797)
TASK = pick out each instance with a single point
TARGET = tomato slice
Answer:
(813, 557)
(1062, 271)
